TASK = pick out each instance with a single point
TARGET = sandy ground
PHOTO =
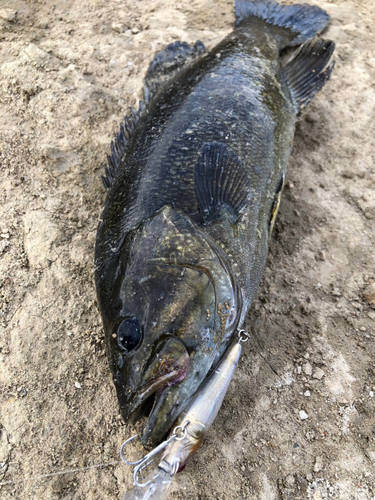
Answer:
(68, 71)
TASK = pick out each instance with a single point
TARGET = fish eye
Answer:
(128, 334)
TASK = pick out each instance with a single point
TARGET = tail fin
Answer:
(301, 21)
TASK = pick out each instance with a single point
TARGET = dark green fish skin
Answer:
(176, 274)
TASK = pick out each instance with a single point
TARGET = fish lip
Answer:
(167, 366)
(155, 386)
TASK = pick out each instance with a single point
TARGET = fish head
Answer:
(175, 307)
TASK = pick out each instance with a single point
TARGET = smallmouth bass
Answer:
(194, 184)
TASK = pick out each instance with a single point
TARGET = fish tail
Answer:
(301, 22)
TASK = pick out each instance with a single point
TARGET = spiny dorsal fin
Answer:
(119, 145)
(165, 65)
(221, 183)
(308, 70)
(169, 62)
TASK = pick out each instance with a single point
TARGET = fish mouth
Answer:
(172, 394)
(167, 367)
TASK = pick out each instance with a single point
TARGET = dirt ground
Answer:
(68, 72)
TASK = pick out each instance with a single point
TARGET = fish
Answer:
(193, 183)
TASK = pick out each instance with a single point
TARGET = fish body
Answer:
(194, 184)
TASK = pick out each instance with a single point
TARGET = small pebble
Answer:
(307, 369)
(289, 480)
(3, 245)
(3, 467)
(77, 385)
(318, 464)
(135, 31)
(371, 394)
(307, 394)
(303, 415)
(43, 25)
(8, 15)
(312, 117)
(118, 27)
(321, 255)
(369, 293)
(318, 374)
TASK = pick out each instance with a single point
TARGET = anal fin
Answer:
(308, 70)
(222, 183)
(168, 62)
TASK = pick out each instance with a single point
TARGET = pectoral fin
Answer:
(222, 183)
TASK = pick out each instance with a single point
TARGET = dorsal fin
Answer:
(308, 70)
(168, 62)
(222, 183)
(119, 145)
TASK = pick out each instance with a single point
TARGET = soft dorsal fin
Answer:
(308, 70)
(222, 183)
(168, 62)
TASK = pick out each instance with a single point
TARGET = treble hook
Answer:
(128, 462)
(148, 458)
